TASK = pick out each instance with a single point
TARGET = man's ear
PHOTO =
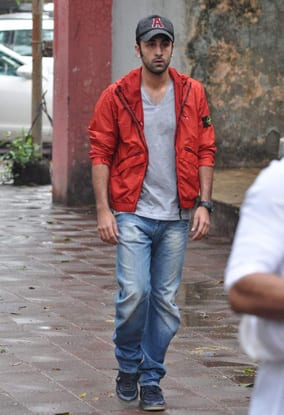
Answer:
(137, 50)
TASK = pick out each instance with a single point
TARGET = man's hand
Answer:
(107, 226)
(201, 223)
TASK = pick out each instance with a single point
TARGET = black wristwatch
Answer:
(208, 205)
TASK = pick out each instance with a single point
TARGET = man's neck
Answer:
(155, 85)
(155, 81)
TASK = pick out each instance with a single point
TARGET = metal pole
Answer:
(36, 131)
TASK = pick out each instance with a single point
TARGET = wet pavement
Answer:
(57, 314)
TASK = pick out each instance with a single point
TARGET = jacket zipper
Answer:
(178, 121)
(184, 100)
(124, 102)
(125, 105)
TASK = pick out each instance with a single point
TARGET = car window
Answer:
(8, 65)
(5, 37)
(22, 42)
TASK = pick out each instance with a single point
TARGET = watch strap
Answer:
(208, 205)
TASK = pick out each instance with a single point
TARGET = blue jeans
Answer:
(150, 257)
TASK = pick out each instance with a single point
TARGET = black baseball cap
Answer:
(153, 25)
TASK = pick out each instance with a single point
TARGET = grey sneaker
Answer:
(126, 386)
(151, 398)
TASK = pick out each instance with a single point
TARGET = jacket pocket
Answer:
(187, 168)
(129, 163)
(126, 179)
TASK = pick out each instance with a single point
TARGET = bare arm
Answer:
(259, 294)
(107, 226)
(201, 220)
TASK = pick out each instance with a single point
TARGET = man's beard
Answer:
(156, 70)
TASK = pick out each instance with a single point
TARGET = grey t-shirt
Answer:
(159, 199)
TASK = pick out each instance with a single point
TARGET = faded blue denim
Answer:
(150, 257)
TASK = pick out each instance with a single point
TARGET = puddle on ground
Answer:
(198, 318)
(243, 379)
(204, 305)
(220, 363)
(243, 375)
(204, 309)
(195, 293)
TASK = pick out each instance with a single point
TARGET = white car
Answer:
(16, 95)
(16, 31)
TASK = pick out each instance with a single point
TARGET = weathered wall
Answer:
(236, 48)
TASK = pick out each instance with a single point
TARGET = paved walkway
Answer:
(56, 319)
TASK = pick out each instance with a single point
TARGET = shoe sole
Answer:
(126, 398)
(153, 408)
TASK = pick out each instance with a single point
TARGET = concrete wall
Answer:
(237, 49)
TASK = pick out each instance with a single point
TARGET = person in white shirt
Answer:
(255, 286)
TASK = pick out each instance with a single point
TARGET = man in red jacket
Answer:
(152, 152)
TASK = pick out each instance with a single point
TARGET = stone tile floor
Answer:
(56, 319)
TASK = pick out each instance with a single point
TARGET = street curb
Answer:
(225, 219)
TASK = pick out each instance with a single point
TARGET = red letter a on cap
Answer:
(157, 22)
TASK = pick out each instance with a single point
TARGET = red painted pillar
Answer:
(82, 67)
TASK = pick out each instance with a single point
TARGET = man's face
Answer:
(155, 54)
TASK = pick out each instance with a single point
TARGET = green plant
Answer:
(22, 163)
(22, 150)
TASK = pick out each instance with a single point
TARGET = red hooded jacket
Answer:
(117, 138)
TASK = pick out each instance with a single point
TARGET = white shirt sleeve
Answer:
(259, 240)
